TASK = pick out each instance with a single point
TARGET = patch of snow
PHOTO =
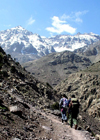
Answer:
(57, 49)
(78, 45)
(14, 49)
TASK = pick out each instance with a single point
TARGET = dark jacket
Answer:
(73, 106)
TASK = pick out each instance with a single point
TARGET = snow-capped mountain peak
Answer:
(18, 28)
(22, 41)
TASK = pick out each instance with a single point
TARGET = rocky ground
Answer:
(35, 124)
(23, 121)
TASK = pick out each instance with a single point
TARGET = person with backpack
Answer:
(63, 106)
(73, 111)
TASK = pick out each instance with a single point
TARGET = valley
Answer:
(34, 87)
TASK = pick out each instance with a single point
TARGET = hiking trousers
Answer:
(72, 119)
(63, 113)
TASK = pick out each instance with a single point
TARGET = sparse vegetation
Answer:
(5, 74)
(55, 106)
(17, 63)
(13, 69)
(1, 56)
(1, 60)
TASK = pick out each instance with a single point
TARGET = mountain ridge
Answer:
(21, 43)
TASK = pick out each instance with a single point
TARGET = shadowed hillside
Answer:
(20, 96)
(56, 66)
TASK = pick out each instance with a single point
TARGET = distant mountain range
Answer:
(25, 46)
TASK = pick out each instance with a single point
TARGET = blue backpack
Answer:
(64, 103)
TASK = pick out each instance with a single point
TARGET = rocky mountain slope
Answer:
(86, 86)
(26, 46)
(56, 66)
(92, 51)
(26, 111)
(20, 91)
(15, 77)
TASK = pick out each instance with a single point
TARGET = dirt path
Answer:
(63, 131)
(60, 131)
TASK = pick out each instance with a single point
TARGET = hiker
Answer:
(63, 106)
(73, 111)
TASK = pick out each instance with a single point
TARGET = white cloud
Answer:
(30, 21)
(78, 15)
(8, 25)
(78, 20)
(65, 17)
(74, 16)
(60, 26)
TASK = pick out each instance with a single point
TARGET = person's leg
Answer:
(65, 117)
(62, 117)
(70, 120)
(75, 127)
(75, 122)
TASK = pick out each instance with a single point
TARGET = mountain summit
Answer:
(20, 43)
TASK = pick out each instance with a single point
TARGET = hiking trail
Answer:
(60, 131)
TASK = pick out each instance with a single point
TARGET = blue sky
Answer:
(51, 17)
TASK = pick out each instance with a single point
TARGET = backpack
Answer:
(64, 103)
(75, 104)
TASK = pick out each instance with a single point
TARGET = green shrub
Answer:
(21, 74)
(5, 74)
(8, 56)
(1, 57)
(17, 63)
(1, 60)
(55, 106)
(13, 69)
(1, 65)
(3, 108)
